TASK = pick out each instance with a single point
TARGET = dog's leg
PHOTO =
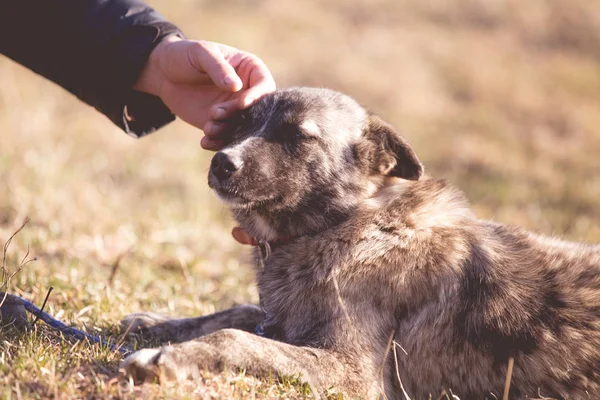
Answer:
(165, 328)
(236, 350)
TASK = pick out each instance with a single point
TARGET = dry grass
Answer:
(501, 97)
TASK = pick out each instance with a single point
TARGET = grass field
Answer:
(500, 97)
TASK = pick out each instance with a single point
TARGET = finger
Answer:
(258, 80)
(260, 75)
(221, 111)
(227, 109)
(250, 96)
(243, 100)
(212, 144)
(242, 237)
(215, 128)
(207, 58)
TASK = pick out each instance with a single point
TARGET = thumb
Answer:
(208, 58)
(242, 237)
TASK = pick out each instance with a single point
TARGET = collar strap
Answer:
(265, 248)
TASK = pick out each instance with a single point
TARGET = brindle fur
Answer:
(375, 251)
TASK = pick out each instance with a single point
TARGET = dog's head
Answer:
(301, 159)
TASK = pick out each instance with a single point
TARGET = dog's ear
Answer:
(389, 153)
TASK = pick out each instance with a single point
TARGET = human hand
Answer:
(204, 83)
(242, 237)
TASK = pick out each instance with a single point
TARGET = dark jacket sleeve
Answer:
(93, 48)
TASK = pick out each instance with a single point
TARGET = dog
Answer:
(376, 279)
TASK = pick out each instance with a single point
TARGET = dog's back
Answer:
(459, 296)
(518, 295)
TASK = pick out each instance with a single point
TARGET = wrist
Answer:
(151, 77)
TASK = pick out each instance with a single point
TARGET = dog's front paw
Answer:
(156, 325)
(142, 366)
(159, 365)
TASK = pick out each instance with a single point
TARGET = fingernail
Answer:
(220, 113)
(228, 81)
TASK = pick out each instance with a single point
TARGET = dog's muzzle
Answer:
(224, 165)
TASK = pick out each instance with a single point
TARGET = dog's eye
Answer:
(291, 130)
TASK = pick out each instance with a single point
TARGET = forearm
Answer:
(93, 48)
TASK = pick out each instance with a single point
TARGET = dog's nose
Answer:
(224, 165)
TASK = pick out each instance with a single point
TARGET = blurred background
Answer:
(500, 97)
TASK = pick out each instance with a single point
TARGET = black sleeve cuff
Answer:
(142, 114)
(137, 113)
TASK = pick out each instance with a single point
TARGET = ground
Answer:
(502, 98)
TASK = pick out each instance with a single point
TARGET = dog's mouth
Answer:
(246, 193)
(232, 196)
(238, 198)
